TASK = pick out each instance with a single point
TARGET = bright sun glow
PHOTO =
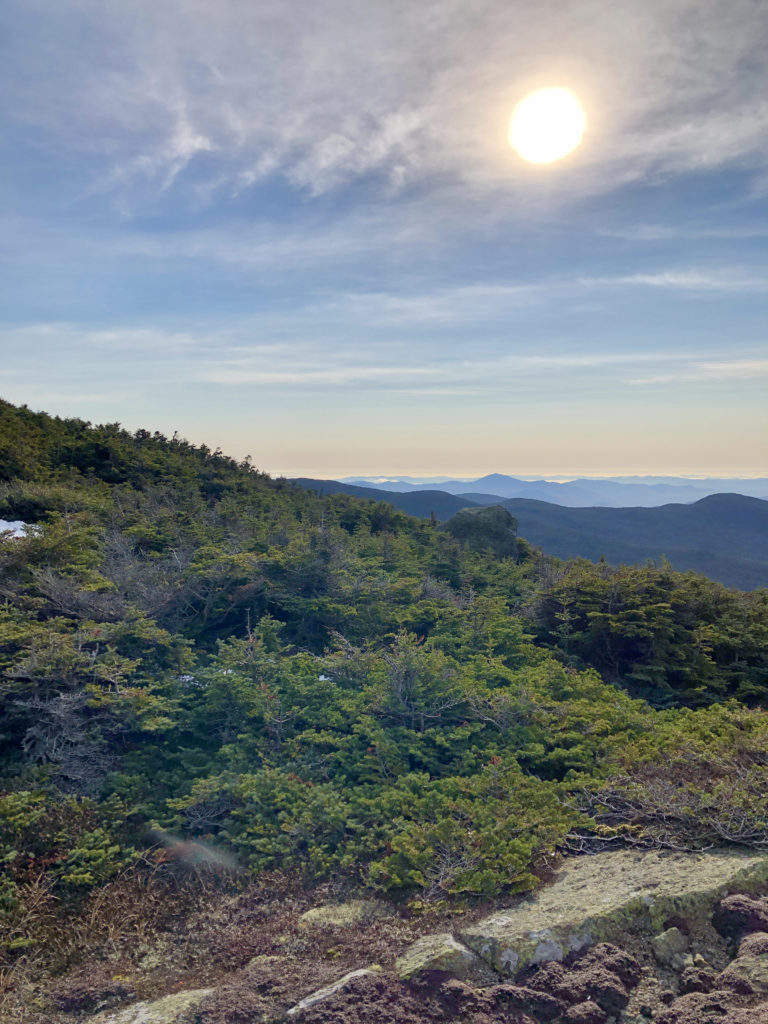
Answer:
(547, 125)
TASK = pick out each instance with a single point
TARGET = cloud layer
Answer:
(228, 94)
(297, 229)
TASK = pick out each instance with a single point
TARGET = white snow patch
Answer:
(16, 528)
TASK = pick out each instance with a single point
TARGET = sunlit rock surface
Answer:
(15, 528)
(329, 990)
(595, 899)
(162, 1011)
(345, 915)
(444, 953)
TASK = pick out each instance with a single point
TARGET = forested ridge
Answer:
(724, 536)
(326, 686)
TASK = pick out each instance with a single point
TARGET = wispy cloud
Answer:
(692, 280)
(462, 376)
(410, 93)
(668, 232)
(716, 371)
(736, 368)
(339, 375)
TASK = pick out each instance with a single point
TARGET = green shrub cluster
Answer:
(190, 648)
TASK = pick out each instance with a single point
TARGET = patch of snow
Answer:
(16, 528)
(188, 680)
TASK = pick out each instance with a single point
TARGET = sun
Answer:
(547, 125)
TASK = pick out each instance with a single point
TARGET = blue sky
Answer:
(296, 230)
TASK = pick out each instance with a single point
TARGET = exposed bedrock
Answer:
(598, 898)
(167, 1010)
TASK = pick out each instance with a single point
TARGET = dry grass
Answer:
(157, 929)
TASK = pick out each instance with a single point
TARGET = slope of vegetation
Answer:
(327, 686)
(724, 536)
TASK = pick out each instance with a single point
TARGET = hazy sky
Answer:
(296, 230)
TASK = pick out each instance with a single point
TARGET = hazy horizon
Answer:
(559, 477)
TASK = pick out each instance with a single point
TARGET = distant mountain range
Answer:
(626, 492)
(724, 536)
(420, 503)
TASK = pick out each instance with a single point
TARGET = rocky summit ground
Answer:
(688, 945)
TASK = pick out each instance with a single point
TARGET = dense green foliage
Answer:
(328, 685)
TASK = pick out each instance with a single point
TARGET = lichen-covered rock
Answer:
(329, 990)
(746, 974)
(670, 948)
(595, 899)
(443, 953)
(345, 915)
(737, 915)
(754, 944)
(167, 1010)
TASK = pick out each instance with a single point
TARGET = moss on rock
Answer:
(596, 899)
(167, 1010)
(443, 953)
(345, 915)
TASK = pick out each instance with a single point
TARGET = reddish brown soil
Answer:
(249, 945)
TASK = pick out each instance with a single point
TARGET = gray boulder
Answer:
(443, 953)
(593, 899)
(670, 948)
(162, 1011)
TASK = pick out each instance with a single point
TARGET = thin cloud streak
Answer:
(720, 372)
(465, 377)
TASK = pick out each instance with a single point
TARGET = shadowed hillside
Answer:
(725, 536)
(416, 503)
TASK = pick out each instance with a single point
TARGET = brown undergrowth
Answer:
(150, 932)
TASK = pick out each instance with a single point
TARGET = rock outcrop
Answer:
(345, 915)
(167, 1010)
(595, 899)
(443, 953)
(546, 961)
